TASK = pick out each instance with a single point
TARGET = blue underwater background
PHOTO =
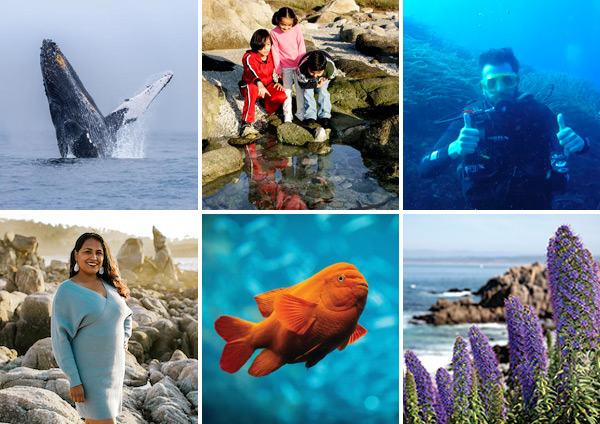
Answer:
(245, 255)
(556, 43)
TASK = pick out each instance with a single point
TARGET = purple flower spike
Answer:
(426, 395)
(443, 381)
(463, 380)
(516, 344)
(486, 364)
(528, 359)
(574, 293)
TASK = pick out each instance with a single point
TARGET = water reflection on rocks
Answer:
(315, 176)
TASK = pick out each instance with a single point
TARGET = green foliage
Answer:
(411, 407)
(476, 410)
(494, 415)
(379, 4)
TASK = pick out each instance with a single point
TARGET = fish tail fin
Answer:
(232, 328)
(237, 350)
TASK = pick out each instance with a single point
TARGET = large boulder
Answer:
(135, 374)
(131, 254)
(229, 24)
(355, 69)
(293, 134)
(341, 7)
(212, 99)
(220, 162)
(34, 322)
(377, 45)
(162, 259)
(27, 280)
(528, 283)
(383, 140)
(40, 355)
(167, 340)
(166, 404)
(33, 405)
(347, 95)
(9, 302)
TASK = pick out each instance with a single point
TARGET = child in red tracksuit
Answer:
(257, 78)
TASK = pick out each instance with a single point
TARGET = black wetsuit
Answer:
(511, 168)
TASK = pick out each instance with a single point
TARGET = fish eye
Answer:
(341, 278)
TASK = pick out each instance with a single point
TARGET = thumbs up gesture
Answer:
(567, 137)
(467, 141)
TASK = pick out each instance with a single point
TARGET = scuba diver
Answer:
(510, 150)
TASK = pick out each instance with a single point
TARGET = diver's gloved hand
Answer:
(467, 141)
(567, 137)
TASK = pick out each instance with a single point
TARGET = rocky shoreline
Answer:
(161, 380)
(528, 283)
(365, 94)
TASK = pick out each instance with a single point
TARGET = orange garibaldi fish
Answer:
(303, 322)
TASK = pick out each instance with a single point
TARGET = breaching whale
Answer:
(81, 129)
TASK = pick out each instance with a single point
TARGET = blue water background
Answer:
(245, 255)
(557, 35)
(423, 285)
(160, 173)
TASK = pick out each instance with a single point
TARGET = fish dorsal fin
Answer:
(266, 301)
(359, 331)
(295, 314)
(131, 109)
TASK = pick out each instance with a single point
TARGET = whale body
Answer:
(81, 129)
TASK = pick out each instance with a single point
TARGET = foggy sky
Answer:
(507, 234)
(113, 45)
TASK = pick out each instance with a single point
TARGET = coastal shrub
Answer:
(550, 380)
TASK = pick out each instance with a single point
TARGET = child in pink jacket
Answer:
(288, 47)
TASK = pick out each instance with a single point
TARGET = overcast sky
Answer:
(173, 224)
(506, 234)
(113, 45)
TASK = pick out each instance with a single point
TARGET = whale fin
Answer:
(131, 109)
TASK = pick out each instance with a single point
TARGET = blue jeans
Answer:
(323, 101)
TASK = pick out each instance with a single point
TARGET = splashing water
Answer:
(131, 141)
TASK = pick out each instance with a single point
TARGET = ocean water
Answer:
(276, 174)
(441, 77)
(245, 255)
(151, 171)
(423, 285)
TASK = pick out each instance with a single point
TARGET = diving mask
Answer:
(492, 82)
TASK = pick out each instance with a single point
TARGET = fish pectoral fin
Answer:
(265, 363)
(295, 314)
(300, 357)
(266, 301)
(359, 331)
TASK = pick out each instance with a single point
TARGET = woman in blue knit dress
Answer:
(91, 324)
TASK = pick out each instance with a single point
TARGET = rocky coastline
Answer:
(365, 94)
(529, 283)
(161, 380)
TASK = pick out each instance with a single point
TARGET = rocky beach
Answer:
(354, 164)
(161, 380)
(528, 283)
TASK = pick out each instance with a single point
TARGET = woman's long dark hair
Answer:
(111, 270)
